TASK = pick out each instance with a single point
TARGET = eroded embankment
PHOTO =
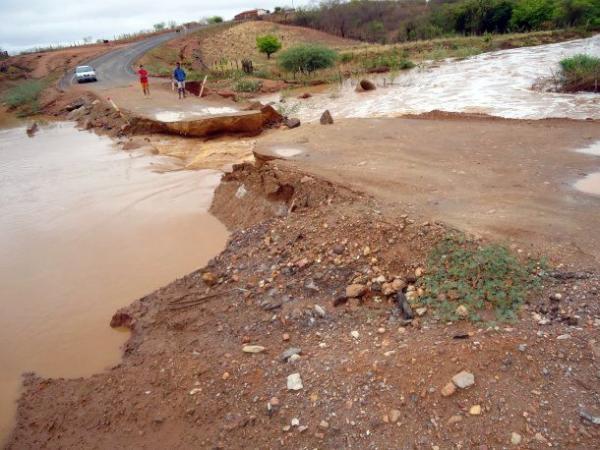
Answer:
(210, 358)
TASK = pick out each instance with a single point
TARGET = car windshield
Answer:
(84, 69)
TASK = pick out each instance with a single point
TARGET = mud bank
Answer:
(369, 378)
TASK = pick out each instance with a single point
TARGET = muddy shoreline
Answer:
(369, 376)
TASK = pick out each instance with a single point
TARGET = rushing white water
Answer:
(498, 83)
(208, 111)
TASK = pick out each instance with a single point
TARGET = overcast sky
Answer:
(32, 23)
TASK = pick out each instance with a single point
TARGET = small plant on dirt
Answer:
(24, 97)
(580, 73)
(268, 44)
(479, 277)
(244, 85)
(307, 58)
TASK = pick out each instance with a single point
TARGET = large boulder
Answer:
(292, 123)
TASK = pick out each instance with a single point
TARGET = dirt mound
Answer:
(250, 350)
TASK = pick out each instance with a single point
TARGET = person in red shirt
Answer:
(143, 73)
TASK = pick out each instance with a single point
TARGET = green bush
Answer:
(307, 58)
(580, 73)
(25, 96)
(480, 277)
(532, 14)
(268, 44)
(244, 85)
(214, 19)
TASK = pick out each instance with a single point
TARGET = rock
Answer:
(381, 330)
(253, 349)
(394, 415)
(475, 410)
(195, 391)
(305, 95)
(404, 306)
(355, 334)
(292, 123)
(324, 424)
(462, 312)
(294, 382)
(295, 422)
(589, 416)
(76, 104)
(285, 337)
(515, 438)
(419, 271)
(338, 249)
(226, 376)
(421, 311)
(122, 319)
(288, 353)
(209, 278)
(563, 337)
(454, 419)
(294, 358)
(398, 284)
(355, 290)
(326, 118)
(365, 85)
(273, 405)
(76, 113)
(302, 428)
(448, 390)
(556, 297)
(463, 379)
(320, 311)
(32, 129)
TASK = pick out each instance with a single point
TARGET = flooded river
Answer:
(86, 228)
(498, 83)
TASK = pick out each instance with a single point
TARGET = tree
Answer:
(532, 14)
(307, 58)
(159, 26)
(214, 19)
(268, 44)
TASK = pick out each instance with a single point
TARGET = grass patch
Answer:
(387, 62)
(245, 85)
(483, 278)
(580, 73)
(24, 97)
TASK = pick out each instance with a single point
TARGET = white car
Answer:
(85, 73)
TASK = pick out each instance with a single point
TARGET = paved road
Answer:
(115, 68)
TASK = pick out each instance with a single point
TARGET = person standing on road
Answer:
(179, 79)
(143, 73)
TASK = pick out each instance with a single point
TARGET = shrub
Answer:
(268, 44)
(307, 58)
(532, 14)
(480, 277)
(25, 96)
(580, 73)
(214, 19)
(159, 26)
(244, 85)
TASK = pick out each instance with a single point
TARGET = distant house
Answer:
(252, 14)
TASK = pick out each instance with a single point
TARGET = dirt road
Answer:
(511, 180)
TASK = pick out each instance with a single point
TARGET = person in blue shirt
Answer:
(179, 79)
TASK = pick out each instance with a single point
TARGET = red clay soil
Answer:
(370, 378)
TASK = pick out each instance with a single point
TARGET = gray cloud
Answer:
(41, 22)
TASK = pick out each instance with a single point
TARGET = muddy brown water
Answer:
(86, 228)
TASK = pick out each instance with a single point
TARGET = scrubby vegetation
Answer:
(397, 21)
(247, 85)
(580, 73)
(483, 279)
(307, 58)
(24, 97)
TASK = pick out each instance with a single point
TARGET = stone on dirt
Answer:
(475, 410)
(288, 353)
(394, 415)
(209, 278)
(462, 312)
(253, 349)
(294, 382)
(326, 118)
(320, 311)
(463, 379)
(292, 123)
(448, 390)
(355, 290)
(515, 438)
